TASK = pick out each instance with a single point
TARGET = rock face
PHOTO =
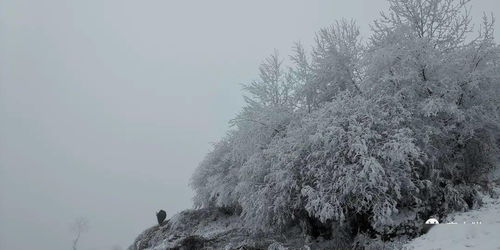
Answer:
(216, 228)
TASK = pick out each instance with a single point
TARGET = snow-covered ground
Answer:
(485, 235)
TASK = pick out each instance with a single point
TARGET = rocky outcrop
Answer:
(216, 228)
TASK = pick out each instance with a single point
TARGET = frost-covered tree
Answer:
(349, 157)
(216, 177)
(272, 89)
(270, 105)
(78, 227)
(444, 22)
(424, 54)
(301, 76)
(336, 60)
(365, 137)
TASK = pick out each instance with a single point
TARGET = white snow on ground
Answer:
(465, 236)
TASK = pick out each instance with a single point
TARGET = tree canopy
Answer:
(371, 135)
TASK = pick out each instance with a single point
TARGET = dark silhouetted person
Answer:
(161, 216)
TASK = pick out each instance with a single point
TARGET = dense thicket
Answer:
(369, 136)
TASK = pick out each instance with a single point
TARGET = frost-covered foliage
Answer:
(365, 136)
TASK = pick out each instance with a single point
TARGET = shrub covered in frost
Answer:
(369, 136)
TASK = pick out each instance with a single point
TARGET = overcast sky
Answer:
(107, 106)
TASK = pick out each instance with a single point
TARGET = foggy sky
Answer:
(107, 107)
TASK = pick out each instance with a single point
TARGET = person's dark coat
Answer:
(161, 215)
